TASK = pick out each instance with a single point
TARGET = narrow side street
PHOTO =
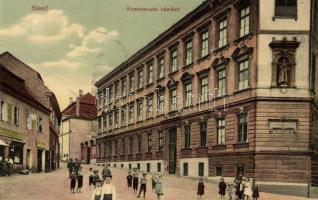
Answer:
(55, 185)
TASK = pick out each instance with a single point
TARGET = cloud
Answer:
(91, 42)
(49, 27)
(65, 64)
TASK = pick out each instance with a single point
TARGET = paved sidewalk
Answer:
(55, 186)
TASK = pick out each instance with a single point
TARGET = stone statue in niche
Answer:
(283, 72)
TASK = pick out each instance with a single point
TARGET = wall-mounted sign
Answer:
(40, 144)
(11, 134)
(283, 126)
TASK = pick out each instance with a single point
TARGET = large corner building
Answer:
(230, 88)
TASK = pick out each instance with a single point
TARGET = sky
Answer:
(73, 43)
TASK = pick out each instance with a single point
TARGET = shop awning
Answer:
(2, 143)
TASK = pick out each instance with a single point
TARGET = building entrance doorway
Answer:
(39, 163)
(172, 150)
(88, 159)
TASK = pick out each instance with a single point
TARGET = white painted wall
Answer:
(193, 166)
(267, 11)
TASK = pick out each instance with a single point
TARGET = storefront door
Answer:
(172, 150)
(88, 155)
(29, 159)
(39, 163)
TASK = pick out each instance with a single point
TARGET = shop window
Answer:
(16, 153)
(185, 169)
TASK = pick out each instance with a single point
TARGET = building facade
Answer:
(30, 117)
(227, 90)
(78, 129)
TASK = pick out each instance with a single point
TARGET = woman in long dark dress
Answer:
(222, 188)
(129, 179)
(73, 178)
(200, 188)
(79, 180)
(255, 190)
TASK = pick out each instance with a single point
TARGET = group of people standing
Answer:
(6, 167)
(242, 189)
(133, 181)
(104, 189)
(75, 174)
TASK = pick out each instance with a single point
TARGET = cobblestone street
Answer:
(55, 185)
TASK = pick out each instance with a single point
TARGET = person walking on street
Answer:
(143, 185)
(129, 180)
(77, 165)
(153, 181)
(255, 190)
(222, 188)
(158, 187)
(79, 180)
(230, 191)
(108, 190)
(200, 192)
(135, 180)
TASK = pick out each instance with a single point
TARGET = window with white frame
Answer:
(221, 131)
(245, 21)
(160, 140)
(243, 80)
(174, 60)
(204, 94)
(242, 128)
(161, 67)
(204, 38)
(131, 114)
(188, 94)
(140, 110)
(188, 52)
(131, 83)
(150, 74)
(149, 106)
(160, 102)
(221, 82)
(140, 78)
(123, 87)
(222, 33)
(4, 110)
(173, 99)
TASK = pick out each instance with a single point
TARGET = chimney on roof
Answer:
(71, 100)
(77, 106)
(80, 93)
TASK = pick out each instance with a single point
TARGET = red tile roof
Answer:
(87, 107)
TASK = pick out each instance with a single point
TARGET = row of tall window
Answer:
(108, 146)
(242, 132)
(114, 91)
(221, 138)
(11, 114)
